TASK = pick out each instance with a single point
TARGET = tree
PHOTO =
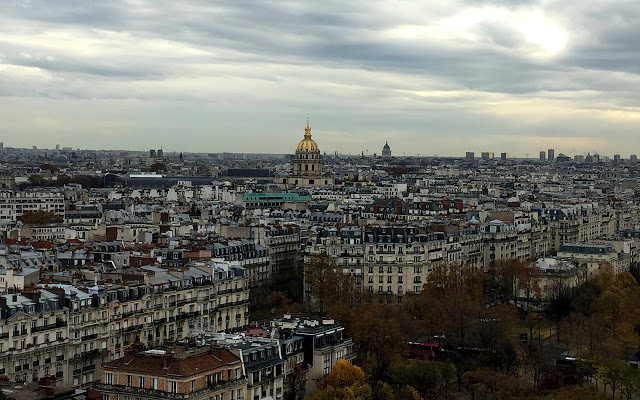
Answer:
(379, 337)
(452, 301)
(41, 217)
(575, 393)
(485, 383)
(297, 383)
(430, 379)
(327, 284)
(382, 391)
(515, 279)
(630, 385)
(345, 374)
(408, 393)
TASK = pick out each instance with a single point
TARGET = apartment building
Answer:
(179, 372)
(345, 248)
(597, 257)
(398, 258)
(283, 242)
(81, 326)
(253, 257)
(13, 204)
(262, 363)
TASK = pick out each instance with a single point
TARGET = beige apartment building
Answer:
(63, 330)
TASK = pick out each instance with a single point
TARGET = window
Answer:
(173, 387)
(129, 380)
(154, 383)
(108, 378)
(193, 385)
(326, 365)
(141, 381)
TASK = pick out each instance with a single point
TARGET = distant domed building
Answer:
(306, 169)
(386, 150)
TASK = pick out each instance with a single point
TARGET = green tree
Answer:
(430, 379)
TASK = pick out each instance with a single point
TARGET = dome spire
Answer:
(307, 130)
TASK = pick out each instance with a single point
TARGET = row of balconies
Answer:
(151, 393)
(58, 324)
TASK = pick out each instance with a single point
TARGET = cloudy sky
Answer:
(431, 77)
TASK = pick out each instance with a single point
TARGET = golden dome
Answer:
(307, 145)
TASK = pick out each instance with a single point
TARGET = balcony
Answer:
(192, 314)
(185, 301)
(158, 394)
(60, 357)
(58, 324)
(227, 291)
(86, 354)
(89, 337)
(89, 368)
(4, 335)
(132, 328)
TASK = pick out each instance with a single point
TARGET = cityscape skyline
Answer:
(432, 78)
(476, 155)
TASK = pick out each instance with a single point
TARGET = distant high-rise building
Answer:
(152, 153)
(616, 158)
(386, 150)
(578, 158)
(551, 155)
(1, 147)
(57, 147)
(633, 158)
(504, 156)
(543, 156)
(596, 158)
(160, 153)
(470, 156)
(487, 155)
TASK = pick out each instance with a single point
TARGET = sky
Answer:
(429, 77)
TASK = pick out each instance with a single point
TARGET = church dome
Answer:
(386, 150)
(307, 145)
